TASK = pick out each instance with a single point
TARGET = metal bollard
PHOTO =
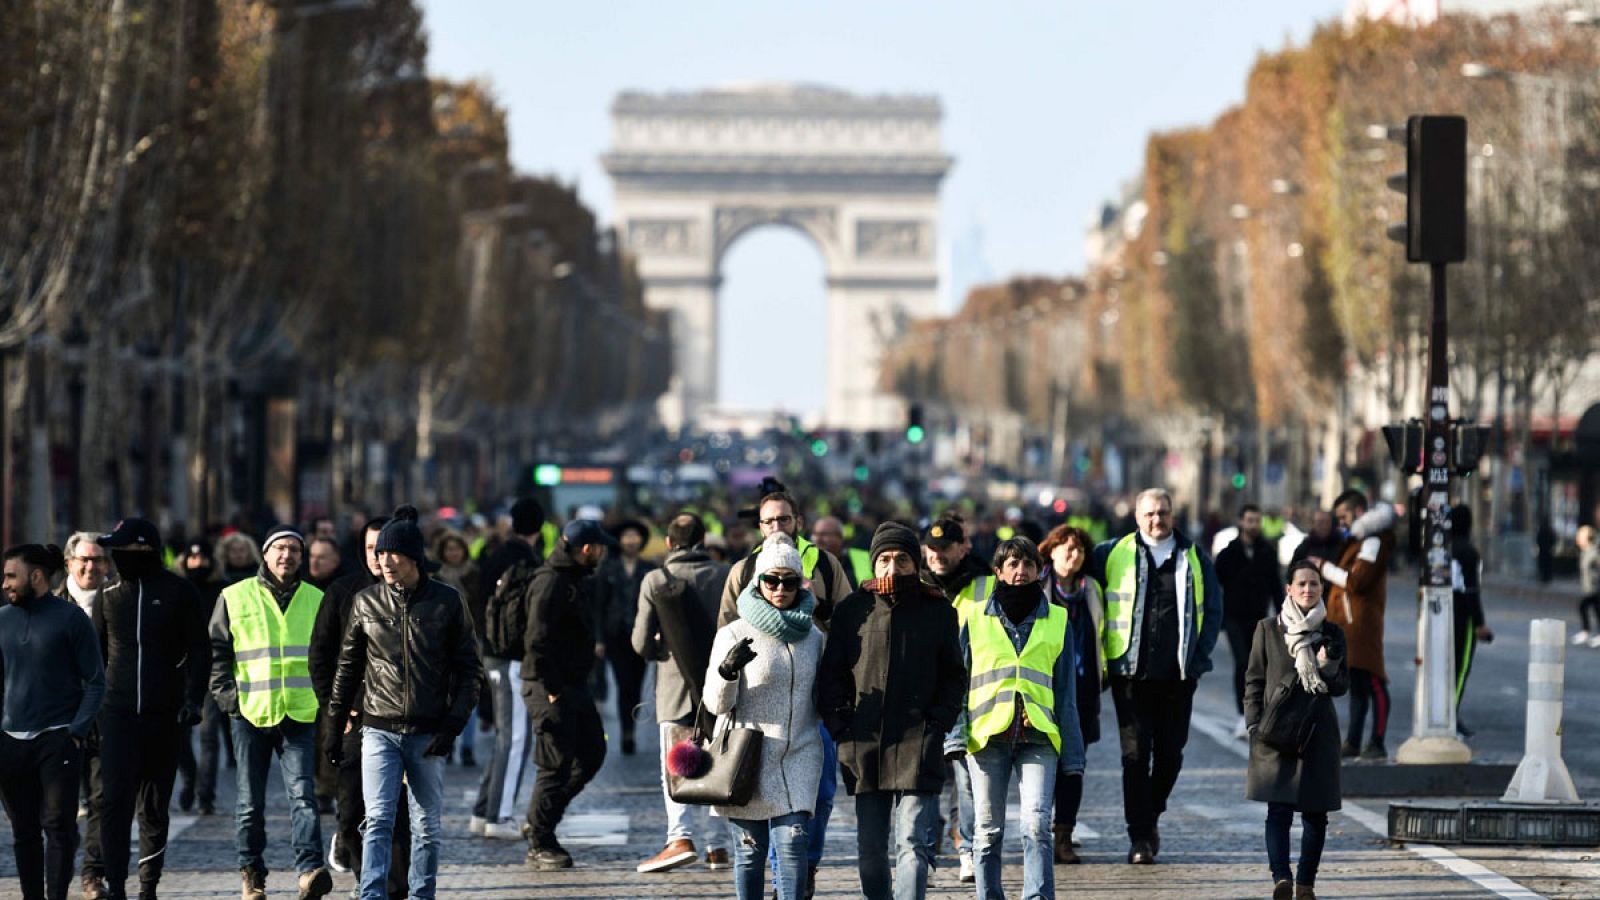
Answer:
(1542, 777)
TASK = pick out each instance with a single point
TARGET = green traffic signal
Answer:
(915, 434)
(819, 447)
(861, 473)
(1238, 481)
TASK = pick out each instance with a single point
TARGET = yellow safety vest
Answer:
(972, 597)
(861, 563)
(270, 646)
(1001, 675)
(1122, 588)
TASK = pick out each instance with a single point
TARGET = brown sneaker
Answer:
(94, 888)
(717, 860)
(315, 884)
(253, 884)
(676, 854)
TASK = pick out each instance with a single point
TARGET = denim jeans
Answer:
(295, 743)
(817, 828)
(681, 816)
(966, 817)
(386, 757)
(786, 834)
(915, 817)
(504, 770)
(992, 768)
(1279, 817)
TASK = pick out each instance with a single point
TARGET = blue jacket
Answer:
(1064, 684)
(1201, 644)
(51, 673)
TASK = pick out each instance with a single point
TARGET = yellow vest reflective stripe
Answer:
(861, 563)
(1122, 588)
(1000, 676)
(974, 596)
(270, 647)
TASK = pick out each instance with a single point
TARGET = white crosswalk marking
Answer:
(603, 828)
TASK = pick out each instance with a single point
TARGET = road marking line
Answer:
(608, 828)
(1477, 873)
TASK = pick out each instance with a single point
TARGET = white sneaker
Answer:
(503, 831)
(476, 825)
(1239, 730)
(333, 856)
(1595, 641)
(967, 875)
(1582, 637)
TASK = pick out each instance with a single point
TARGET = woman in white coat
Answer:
(763, 674)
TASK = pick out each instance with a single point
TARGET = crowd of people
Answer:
(924, 667)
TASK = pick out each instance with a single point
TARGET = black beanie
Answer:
(894, 536)
(527, 516)
(402, 536)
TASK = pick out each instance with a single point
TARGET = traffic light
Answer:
(1239, 481)
(819, 447)
(1435, 185)
(1405, 445)
(1468, 441)
(915, 432)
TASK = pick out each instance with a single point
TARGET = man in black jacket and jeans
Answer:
(158, 660)
(327, 638)
(1252, 588)
(411, 653)
(570, 744)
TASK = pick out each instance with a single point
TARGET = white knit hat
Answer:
(777, 552)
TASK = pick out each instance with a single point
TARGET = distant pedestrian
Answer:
(1589, 584)
(1300, 643)
(678, 604)
(1357, 597)
(1323, 541)
(322, 562)
(764, 677)
(828, 534)
(1066, 554)
(238, 559)
(570, 742)
(261, 678)
(410, 659)
(1163, 615)
(891, 687)
(1466, 596)
(53, 682)
(456, 568)
(1247, 569)
(157, 663)
(619, 578)
(196, 565)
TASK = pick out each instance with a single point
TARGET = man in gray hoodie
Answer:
(689, 572)
(51, 683)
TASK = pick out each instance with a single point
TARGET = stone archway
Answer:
(859, 175)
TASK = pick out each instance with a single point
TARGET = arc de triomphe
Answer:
(857, 174)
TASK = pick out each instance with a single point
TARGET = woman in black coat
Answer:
(1065, 582)
(1297, 643)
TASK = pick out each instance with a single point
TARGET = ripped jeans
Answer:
(787, 835)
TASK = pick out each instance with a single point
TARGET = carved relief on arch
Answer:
(663, 237)
(894, 239)
(820, 222)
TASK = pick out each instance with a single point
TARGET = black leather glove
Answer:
(440, 745)
(739, 656)
(189, 715)
(333, 741)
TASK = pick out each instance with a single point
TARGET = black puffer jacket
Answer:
(413, 656)
(153, 640)
(891, 685)
(559, 652)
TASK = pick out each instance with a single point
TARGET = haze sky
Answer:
(1047, 103)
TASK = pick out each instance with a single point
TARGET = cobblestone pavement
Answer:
(1211, 838)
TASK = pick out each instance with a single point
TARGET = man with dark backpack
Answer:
(673, 628)
(505, 621)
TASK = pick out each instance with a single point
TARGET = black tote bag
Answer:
(1289, 717)
(730, 780)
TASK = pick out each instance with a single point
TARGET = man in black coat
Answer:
(1247, 569)
(570, 743)
(158, 659)
(891, 685)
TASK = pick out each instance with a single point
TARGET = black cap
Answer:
(942, 533)
(132, 533)
(587, 531)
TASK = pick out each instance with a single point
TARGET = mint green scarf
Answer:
(788, 625)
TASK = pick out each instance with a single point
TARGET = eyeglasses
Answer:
(780, 521)
(787, 582)
(92, 560)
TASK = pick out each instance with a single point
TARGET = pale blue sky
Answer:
(1047, 109)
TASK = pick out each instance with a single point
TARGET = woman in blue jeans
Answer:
(1021, 717)
(1298, 643)
(762, 676)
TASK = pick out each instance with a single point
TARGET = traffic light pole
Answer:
(1433, 723)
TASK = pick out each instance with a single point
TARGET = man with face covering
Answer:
(153, 640)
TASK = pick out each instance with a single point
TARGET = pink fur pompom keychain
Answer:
(687, 759)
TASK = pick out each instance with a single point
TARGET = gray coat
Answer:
(775, 693)
(1309, 782)
(673, 701)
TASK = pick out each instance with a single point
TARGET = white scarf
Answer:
(1300, 630)
(1160, 550)
(84, 599)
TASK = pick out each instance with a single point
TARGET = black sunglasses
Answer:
(788, 582)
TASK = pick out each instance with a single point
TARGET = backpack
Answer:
(687, 632)
(505, 615)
